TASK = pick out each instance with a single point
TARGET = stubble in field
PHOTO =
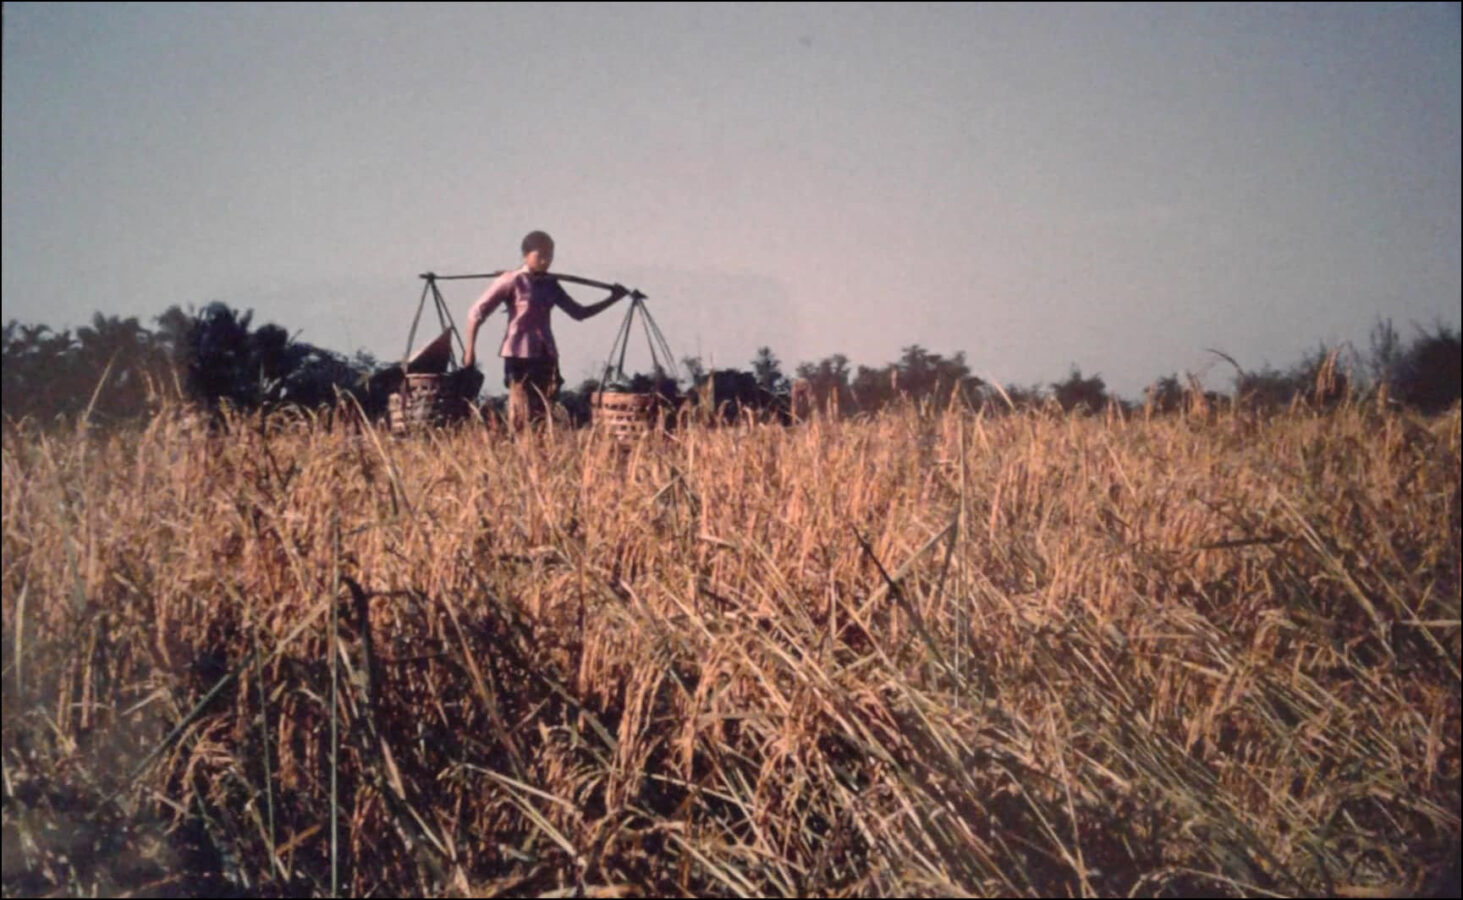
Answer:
(928, 653)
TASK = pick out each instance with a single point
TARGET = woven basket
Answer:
(424, 401)
(626, 415)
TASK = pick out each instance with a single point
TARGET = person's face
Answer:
(538, 260)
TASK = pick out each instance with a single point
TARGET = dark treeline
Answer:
(116, 369)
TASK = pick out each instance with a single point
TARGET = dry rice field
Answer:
(929, 653)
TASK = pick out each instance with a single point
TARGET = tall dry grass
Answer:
(932, 653)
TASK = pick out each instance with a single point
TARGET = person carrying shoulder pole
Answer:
(530, 356)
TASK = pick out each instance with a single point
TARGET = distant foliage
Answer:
(1427, 375)
(828, 381)
(919, 377)
(1170, 395)
(1080, 394)
(1317, 381)
(767, 369)
(1166, 395)
(226, 362)
(115, 369)
(1423, 375)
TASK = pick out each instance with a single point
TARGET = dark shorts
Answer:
(541, 374)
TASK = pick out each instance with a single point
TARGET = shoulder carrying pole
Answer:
(660, 352)
(572, 279)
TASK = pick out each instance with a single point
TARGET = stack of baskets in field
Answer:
(428, 396)
(426, 400)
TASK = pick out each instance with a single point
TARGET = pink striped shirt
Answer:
(530, 299)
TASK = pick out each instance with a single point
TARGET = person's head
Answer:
(538, 251)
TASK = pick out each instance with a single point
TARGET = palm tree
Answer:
(767, 369)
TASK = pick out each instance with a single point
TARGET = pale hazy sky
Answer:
(1115, 187)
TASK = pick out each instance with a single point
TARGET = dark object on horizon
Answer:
(384, 382)
(725, 394)
(375, 390)
(660, 384)
(464, 383)
(1429, 375)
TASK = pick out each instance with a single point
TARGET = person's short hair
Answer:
(537, 240)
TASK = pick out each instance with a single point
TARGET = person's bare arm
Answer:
(579, 313)
(491, 299)
(472, 341)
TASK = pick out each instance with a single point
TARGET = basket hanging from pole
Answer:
(430, 396)
(625, 407)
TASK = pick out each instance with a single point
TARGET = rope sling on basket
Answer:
(628, 407)
(435, 390)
